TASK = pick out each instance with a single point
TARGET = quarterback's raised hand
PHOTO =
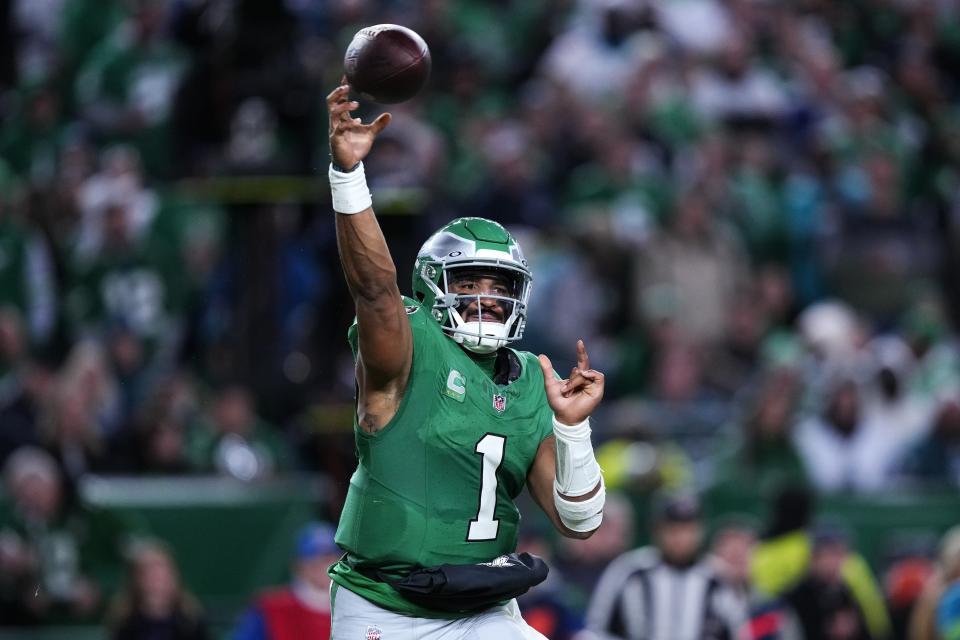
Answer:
(573, 399)
(350, 139)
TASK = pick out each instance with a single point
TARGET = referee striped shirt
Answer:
(640, 597)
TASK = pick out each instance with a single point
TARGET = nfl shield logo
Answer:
(373, 633)
(499, 402)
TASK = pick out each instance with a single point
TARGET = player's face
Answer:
(480, 284)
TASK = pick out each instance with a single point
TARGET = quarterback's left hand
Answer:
(573, 399)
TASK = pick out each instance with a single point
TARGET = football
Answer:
(387, 63)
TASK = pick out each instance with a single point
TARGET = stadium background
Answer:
(749, 209)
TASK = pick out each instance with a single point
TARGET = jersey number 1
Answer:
(484, 526)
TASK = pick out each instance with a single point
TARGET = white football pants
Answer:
(356, 618)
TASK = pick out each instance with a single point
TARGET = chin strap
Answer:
(578, 473)
(476, 336)
(481, 337)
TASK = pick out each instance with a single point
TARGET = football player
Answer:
(451, 422)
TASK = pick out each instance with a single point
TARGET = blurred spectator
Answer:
(301, 610)
(923, 622)
(254, 145)
(37, 25)
(840, 449)
(86, 377)
(636, 595)
(903, 584)
(273, 269)
(129, 280)
(701, 27)
(730, 552)
(25, 394)
(782, 558)
(126, 89)
(13, 348)
(831, 331)
(234, 441)
(695, 267)
(677, 376)
(948, 613)
(412, 152)
(935, 460)
(85, 24)
(566, 270)
(154, 603)
(764, 455)
(162, 446)
(606, 37)
(81, 412)
(738, 88)
(120, 182)
(514, 188)
(755, 198)
(157, 442)
(51, 551)
(937, 370)
(33, 136)
(888, 250)
(896, 411)
(822, 601)
(732, 364)
(27, 284)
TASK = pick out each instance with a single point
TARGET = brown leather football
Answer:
(387, 63)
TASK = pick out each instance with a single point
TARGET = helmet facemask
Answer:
(474, 249)
(484, 321)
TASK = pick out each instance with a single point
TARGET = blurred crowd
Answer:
(748, 209)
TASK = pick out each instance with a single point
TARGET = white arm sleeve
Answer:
(577, 474)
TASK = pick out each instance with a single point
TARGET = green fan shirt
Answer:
(436, 485)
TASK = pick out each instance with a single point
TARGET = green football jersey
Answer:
(436, 485)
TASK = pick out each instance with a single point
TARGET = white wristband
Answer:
(577, 469)
(579, 431)
(349, 191)
(582, 516)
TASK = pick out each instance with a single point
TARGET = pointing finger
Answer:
(583, 360)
